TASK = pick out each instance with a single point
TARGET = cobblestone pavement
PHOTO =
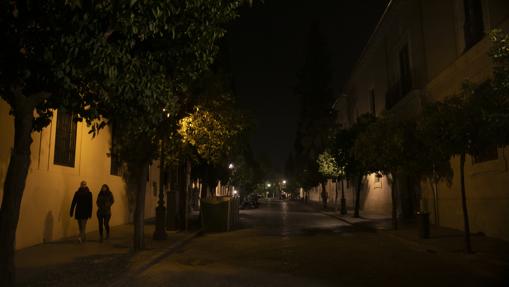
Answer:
(286, 243)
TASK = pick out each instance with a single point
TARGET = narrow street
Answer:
(285, 243)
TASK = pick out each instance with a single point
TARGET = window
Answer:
(474, 26)
(65, 139)
(372, 103)
(404, 69)
(489, 153)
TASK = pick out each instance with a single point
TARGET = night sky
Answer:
(267, 49)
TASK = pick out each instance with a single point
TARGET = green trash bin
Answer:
(423, 223)
(215, 214)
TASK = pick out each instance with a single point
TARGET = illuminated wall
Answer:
(439, 62)
(375, 198)
(50, 187)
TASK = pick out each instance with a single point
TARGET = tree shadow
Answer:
(77, 272)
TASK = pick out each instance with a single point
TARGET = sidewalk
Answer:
(69, 263)
(442, 239)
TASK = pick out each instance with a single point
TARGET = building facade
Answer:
(62, 155)
(422, 51)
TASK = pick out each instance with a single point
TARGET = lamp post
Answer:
(160, 232)
(231, 167)
(283, 188)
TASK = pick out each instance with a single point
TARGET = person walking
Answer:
(81, 207)
(104, 202)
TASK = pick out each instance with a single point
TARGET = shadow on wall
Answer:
(131, 197)
(3, 173)
(48, 228)
(365, 189)
(126, 201)
(63, 215)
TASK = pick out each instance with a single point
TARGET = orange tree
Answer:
(123, 60)
(471, 121)
(390, 146)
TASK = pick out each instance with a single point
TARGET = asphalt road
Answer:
(289, 244)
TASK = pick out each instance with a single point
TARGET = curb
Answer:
(155, 259)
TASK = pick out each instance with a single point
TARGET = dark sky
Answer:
(268, 45)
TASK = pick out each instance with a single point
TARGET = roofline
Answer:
(370, 39)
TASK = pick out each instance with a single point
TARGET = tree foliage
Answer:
(316, 117)
(214, 125)
(328, 166)
(121, 60)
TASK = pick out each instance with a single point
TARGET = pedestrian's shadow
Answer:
(48, 227)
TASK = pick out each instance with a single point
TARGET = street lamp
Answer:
(160, 232)
(231, 167)
(282, 189)
(268, 185)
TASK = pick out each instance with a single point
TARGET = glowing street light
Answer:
(231, 166)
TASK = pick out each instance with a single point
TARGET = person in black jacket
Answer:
(81, 207)
(104, 202)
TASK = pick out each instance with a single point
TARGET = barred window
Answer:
(487, 154)
(65, 139)
(404, 69)
(474, 26)
(372, 102)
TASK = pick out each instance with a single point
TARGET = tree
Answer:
(341, 146)
(33, 68)
(496, 92)
(215, 126)
(435, 164)
(316, 116)
(471, 121)
(329, 168)
(394, 154)
(347, 158)
(122, 60)
(160, 52)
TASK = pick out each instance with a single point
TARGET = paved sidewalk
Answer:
(442, 239)
(69, 263)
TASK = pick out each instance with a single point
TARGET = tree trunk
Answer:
(325, 195)
(336, 195)
(394, 199)
(358, 197)
(184, 178)
(188, 184)
(160, 232)
(172, 200)
(343, 200)
(434, 188)
(205, 184)
(141, 172)
(466, 223)
(14, 186)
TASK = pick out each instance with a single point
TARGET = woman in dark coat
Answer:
(81, 207)
(104, 202)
